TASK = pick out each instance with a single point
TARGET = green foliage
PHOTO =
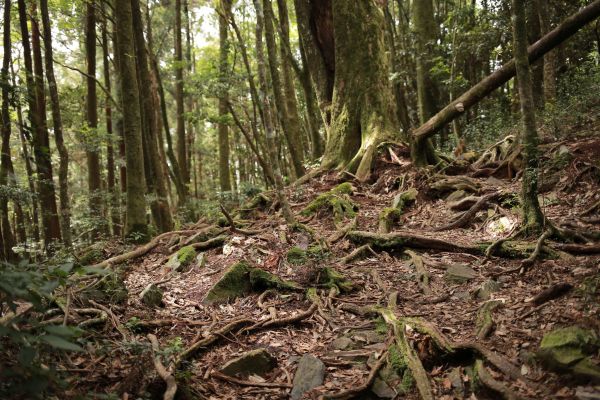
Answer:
(296, 256)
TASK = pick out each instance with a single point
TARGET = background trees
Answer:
(196, 106)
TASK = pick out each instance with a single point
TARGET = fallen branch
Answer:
(468, 216)
(551, 293)
(227, 378)
(357, 253)
(488, 381)
(162, 371)
(578, 248)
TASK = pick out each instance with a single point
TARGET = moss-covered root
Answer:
(484, 378)
(388, 217)
(423, 276)
(485, 321)
(331, 278)
(357, 253)
(337, 201)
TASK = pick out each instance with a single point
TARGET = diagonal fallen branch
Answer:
(162, 371)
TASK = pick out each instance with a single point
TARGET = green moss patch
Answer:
(263, 280)
(332, 278)
(337, 201)
(296, 256)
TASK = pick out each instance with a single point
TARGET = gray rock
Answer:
(255, 362)
(342, 343)
(382, 390)
(455, 377)
(151, 296)
(484, 292)
(456, 195)
(309, 375)
(368, 337)
(460, 273)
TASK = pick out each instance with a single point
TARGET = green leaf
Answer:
(64, 331)
(61, 343)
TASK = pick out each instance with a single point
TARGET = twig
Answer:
(227, 378)
(162, 371)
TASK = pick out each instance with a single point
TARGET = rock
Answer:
(484, 292)
(182, 260)
(201, 260)
(568, 350)
(455, 378)
(382, 390)
(368, 337)
(404, 199)
(151, 296)
(255, 362)
(309, 375)
(234, 283)
(456, 195)
(342, 343)
(460, 273)
(263, 280)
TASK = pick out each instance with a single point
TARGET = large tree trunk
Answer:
(37, 116)
(565, 30)
(223, 127)
(6, 235)
(92, 150)
(135, 224)
(533, 219)
(113, 203)
(350, 40)
(153, 166)
(181, 137)
(63, 166)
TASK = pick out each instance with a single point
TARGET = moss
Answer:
(396, 358)
(343, 188)
(407, 382)
(234, 283)
(317, 252)
(296, 256)
(336, 201)
(332, 278)
(91, 256)
(388, 217)
(311, 294)
(405, 199)
(380, 326)
(186, 255)
(262, 280)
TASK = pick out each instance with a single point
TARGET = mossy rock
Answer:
(568, 350)
(331, 278)
(234, 283)
(111, 289)
(91, 256)
(182, 260)
(261, 280)
(388, 217)
(151, 296)
(460, 273)
(296, 256)
(254, 362)
(259, 202)
(336, 201)
(405, 199)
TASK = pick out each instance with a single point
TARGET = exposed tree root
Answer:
(242, 382)
(340, 233)
(232, 225)
(552, 293)
(578, 248)
(357, 253)
(445, 184)
(485, 321)
(210, 243)
(466, 218)
(422, 273)
(498, 243)
(529, 261)
(162, 371)
(486, 379)
(350, 393)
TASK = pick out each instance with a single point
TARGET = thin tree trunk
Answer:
(290, 125)
(181, 136)
(92, 150)
(63, 167)
(223, 127)
(153, 167)
(6, 235)
(113, 203)
(543, 9)
(565, 30)
(37, 113)
(136, 227)
(533, 219)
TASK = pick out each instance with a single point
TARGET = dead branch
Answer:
(357, 253)
(231, 379)
(468, 216)
(162, 371)
(578, 248)
(551, 293)
(115, 321)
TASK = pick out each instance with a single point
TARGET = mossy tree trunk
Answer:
(135, 222)
(543, 10)
(63, 166)
(223, 126)
(533, 219)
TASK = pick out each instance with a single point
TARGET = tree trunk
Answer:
(113, 203)
(153, 167)
(268, 115)
(91, 153)
(63, 166)
(533, 219)
(350, 41)
(37, 116)
(223, 126)
(6, 235)
(543, 9)
(181, 137)
(136, 227)
(565, 30)
(290, 124)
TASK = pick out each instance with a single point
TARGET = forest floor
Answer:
(337, 324)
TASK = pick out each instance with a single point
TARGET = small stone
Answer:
(255, 362)
(368, 337)
(151, 296)
(460, 273)
(309, 375)
(342, 343)
(484, 292)
(201, 260)
(382, 390)
(455, 378)
(456, 195)
(182, 260)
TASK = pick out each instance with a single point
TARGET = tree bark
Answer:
(223, 126)
(63, 167)
(92, 150)
(135, 224)
(153, 167)
(6, 235)
(533, 219)
(181, 136)
(565, 30)
(543, 9)
(37, 117)
(290, 124)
